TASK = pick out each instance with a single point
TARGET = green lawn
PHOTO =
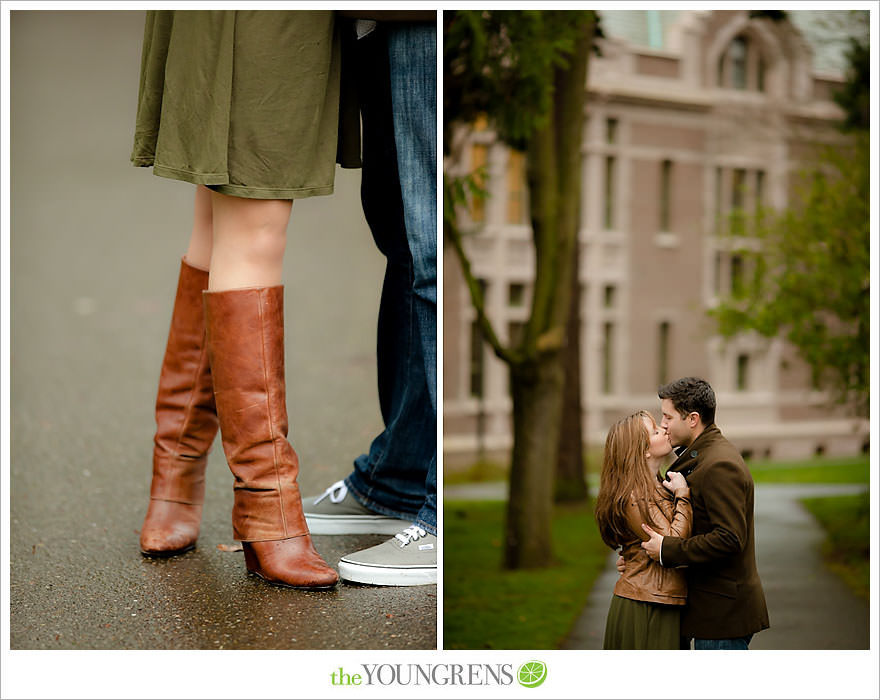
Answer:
(846, 520)
(486, 607)
(819, 470)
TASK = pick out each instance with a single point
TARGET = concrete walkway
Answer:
(810, 607)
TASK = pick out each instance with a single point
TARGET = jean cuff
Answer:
(377, 507)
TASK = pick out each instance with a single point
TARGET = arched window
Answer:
(737, 55)
(741, 66)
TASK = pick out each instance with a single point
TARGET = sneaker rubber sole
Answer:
(387, 575)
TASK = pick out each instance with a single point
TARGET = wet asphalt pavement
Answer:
(95, 251)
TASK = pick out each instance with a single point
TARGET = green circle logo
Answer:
(532, 673)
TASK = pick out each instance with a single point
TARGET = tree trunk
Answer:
(537, 382)
(569, 115)
(571, 484)
(536, 389)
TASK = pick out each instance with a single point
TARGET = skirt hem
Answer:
(264, 193)
(219, 182)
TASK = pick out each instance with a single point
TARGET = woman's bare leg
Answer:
(201, 240)
(249, 239)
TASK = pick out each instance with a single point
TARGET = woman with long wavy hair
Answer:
(645, 608)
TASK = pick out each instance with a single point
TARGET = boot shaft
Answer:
(246, 353)
(186, 417)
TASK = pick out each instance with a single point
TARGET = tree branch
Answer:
(454, 236)
(544, 210)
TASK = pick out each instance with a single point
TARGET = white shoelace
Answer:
(411, 534)
(336, 493)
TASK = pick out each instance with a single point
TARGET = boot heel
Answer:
(251, 563)
(292, 563)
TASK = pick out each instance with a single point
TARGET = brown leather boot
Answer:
(186, 421)
(246, 346)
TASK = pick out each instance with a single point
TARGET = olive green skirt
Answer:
(245, 102)
(635, 624)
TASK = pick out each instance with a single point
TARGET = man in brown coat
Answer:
(726, 603)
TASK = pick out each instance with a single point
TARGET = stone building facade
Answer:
(690, 116)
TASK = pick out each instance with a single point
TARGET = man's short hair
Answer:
(689, 395)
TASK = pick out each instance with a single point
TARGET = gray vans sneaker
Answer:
(407, 559)
(336, 512)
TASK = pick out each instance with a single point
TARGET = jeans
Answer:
(397, 68)
(741, 643)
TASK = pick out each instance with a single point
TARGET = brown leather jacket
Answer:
(644, 579)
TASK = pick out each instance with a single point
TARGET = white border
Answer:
(287, 674)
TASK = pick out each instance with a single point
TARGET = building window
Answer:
(611, 130)
(742, 372)
(746, 192)
(737, 201)
(610, 167)
(655, 29)
(516, 187)
(608, 296)
(607, 357)
(732, 274)
(741, 66)
(479, 160)
(738, 191)
(737, 55)
(663, 354)
(477, 361)
(759, 191)
(665, 194)
(516, 294)
(737, 275)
